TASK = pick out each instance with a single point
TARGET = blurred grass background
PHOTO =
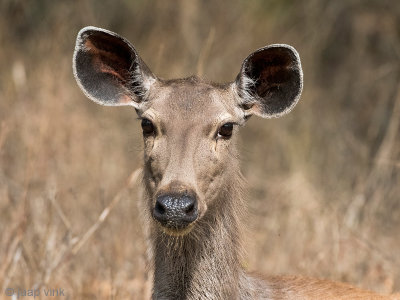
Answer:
(323, 182)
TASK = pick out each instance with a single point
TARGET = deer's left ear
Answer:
(270, 81)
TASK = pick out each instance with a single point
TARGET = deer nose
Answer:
(175, 210)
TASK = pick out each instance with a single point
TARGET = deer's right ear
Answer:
(109, 70)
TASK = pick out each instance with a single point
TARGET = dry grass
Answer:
(324, 182)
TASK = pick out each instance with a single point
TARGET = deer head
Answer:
(189, 125)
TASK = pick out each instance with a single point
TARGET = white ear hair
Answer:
(245, 88)
(139, 79)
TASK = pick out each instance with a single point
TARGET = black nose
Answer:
(175, 211)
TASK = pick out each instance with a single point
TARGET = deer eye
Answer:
(225, 131)
(148, 127)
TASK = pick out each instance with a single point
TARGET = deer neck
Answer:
(205, 263)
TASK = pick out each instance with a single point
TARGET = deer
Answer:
(193, 199)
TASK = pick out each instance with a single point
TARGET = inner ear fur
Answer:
(108, 68)
(270, 81)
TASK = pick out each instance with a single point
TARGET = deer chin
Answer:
(177, 232)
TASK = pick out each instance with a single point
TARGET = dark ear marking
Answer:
(270, 81)
(108, 68)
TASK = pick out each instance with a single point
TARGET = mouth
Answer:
(176, 231)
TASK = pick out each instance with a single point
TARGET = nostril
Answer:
(189, 210)
(160, 208)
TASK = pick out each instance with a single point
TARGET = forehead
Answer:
(192, 100)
